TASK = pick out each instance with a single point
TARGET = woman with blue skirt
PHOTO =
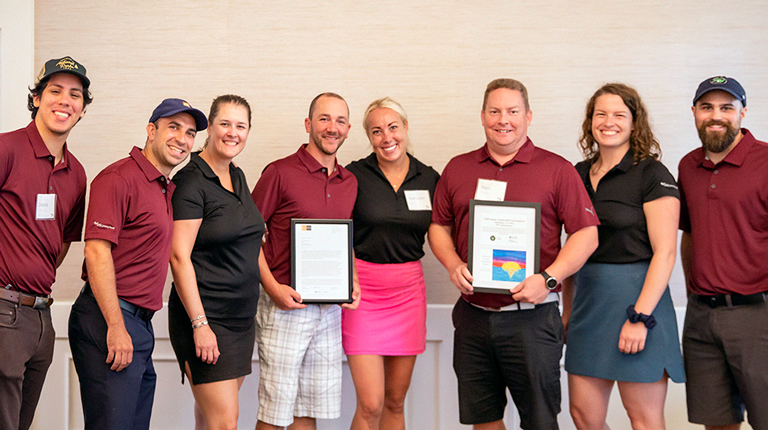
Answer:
(621, 324)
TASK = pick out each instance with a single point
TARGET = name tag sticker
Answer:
(488, 189)
(46, 207)
(418, 200)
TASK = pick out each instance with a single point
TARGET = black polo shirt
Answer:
(226, 251)
(385, 230)
(619, 199)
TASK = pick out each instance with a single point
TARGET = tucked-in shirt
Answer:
(619, 199)
(29, 246)
(534, 175)
(725, 209)
(130, 206)
(386, 230)
(298, 186)
(225, 255)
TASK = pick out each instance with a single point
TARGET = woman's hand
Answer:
(632, 337)
(206, 347)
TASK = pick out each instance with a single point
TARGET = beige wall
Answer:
(435, 57)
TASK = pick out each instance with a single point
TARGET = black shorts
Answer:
(516, 350)
(235, 338)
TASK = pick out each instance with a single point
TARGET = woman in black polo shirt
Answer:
(392, 214)
(217, 234)
(622, 325)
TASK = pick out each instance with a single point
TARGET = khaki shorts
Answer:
(299, 362)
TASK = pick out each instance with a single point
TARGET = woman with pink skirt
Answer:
(391, 218)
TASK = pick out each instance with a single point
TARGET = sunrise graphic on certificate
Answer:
(508, 266)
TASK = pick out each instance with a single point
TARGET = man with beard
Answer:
(299, 344)
(724, 250)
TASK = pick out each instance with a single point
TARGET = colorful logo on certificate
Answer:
(508, 266)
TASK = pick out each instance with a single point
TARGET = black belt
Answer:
(731, 299)
(31, 300)
(134, 310)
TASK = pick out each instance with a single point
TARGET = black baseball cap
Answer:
(64, 65)
(170, 107)
(722, 83)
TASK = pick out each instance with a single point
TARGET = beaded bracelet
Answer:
(633, 316)
(200, 324)
(198, 318)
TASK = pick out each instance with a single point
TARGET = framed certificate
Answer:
(321, 260)
(503, 244)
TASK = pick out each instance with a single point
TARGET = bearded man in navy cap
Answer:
(127, 248)
(724, 252)
(42, 203)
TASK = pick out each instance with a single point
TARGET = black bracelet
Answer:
(648, 320)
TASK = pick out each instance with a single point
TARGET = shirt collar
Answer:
(39, 148)
(198, 161)
(626, 162)
(414, 169)
(150, 171)
(313, 165)
(524, 154)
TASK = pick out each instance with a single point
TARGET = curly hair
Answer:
(641, 139)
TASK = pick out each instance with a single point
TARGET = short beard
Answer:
(319, 145)
(714, 142)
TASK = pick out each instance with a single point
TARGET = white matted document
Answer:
(503, 244)
(321, 260)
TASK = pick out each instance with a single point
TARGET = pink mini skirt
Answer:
(392, 316)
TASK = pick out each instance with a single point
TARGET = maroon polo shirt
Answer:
(725, 209)
(29, 247)
(130, 206)
(298, 186)
(534, 175)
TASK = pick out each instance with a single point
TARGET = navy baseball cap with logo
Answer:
(64, 65)
(722, 83)
(170, 107)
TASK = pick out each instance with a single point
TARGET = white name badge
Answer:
(418, 200)
(488, 189)
(46, 207)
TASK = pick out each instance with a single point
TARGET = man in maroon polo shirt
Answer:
(300, 345)
(724, 253)
(127, 248)
(42, 202)
(511, 341)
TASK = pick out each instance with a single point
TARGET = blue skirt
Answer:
(602, 294)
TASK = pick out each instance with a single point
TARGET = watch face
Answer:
(551, 283)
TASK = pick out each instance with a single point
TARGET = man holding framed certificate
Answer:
(300, 344)
(511, 340)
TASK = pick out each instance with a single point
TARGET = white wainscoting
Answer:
(431, 402)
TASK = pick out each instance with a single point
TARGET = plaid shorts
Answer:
(299, 362)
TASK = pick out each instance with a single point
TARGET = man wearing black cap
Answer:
(42, 202)
(724, 252)
(127, 249)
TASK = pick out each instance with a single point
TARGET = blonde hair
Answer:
(387, 103)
